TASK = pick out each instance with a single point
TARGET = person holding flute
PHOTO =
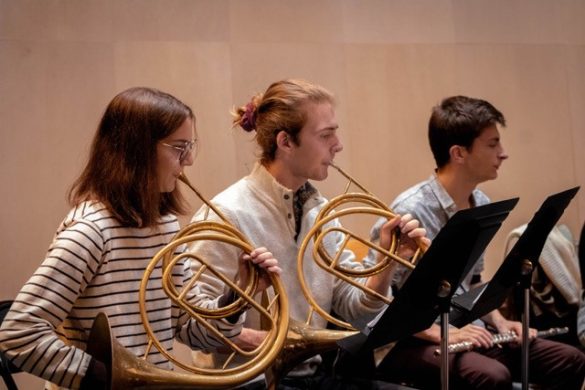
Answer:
(465, 141)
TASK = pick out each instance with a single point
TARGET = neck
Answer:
(284, 176)
(457, 186)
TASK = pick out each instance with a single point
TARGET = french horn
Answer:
(304, 340)
(127, 371)
(368, 204)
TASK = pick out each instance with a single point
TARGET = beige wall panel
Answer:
(286, 21)
(520, 21)
(572, 22)
(170, 20)
(509, 22)
(398, 21)
(30, 20)
(46, 123)
(107, 20)
(576, 92)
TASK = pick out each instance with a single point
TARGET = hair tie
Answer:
(248, 121)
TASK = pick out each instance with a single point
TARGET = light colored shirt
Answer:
(263, 210)
(430, 203)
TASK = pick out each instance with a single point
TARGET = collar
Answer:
(267, 182)
(447, 203)
(305, 192)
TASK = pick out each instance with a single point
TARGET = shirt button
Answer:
(286, 197)
(289, 215)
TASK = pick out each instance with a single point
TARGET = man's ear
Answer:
(457, 153)
(283, 140)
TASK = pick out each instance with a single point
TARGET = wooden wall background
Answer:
(387, 61)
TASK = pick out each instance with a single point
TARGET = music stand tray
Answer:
(429, 288)
(489, 296)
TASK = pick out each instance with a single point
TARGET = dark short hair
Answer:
(121, 170)
(459, 120)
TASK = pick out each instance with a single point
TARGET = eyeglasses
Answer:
(185, 149)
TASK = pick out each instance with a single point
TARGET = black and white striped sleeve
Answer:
(192, 332)
(28, 335)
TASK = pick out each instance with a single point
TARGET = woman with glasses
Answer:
(124, 207)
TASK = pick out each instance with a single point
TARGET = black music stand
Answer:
(516, 269)
(427, 292)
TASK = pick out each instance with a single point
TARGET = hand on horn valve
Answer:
(265, 263)
(411, 235)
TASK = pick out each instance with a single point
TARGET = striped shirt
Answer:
(94, 265)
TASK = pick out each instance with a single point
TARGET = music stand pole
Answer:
(526, 271)
(444, 351)
(444, 290)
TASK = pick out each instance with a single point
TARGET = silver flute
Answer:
(501, 338)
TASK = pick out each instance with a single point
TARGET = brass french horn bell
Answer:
(127, 371)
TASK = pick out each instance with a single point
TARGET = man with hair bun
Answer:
(297, 133)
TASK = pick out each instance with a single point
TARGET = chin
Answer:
(320, 177)
(169, 188)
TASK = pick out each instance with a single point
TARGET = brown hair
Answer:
(121, 171)
(280, 108)
(459, 120)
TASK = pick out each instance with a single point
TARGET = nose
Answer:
(188, 161)
(503, 155)
(338, 146)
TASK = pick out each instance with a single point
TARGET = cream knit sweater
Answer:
(262, 209)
